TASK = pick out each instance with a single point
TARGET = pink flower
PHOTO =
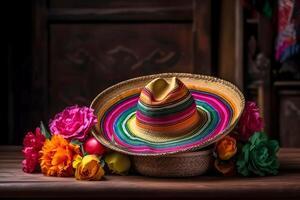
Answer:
(33, 143)
(250, 121)
(73, 122)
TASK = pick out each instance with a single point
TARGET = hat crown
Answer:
(161, 90)
(166, 109)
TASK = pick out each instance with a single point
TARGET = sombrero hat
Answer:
(166, 113)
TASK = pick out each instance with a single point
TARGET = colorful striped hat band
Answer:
(161, 114)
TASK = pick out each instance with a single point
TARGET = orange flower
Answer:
(226, 168)
(57, 156)
(226, 148)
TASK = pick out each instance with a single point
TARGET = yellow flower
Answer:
(226, 148)
(117, 163)
(57, 155)
(88, 168)
(77, 160)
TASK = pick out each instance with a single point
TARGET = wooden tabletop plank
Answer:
(15, 183)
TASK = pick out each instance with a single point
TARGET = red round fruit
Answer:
(93, 146)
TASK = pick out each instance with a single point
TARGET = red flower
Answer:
(34, 140)
(250, 121)
(31, 160)
(32, 143)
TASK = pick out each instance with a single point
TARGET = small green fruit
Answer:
(118, 163)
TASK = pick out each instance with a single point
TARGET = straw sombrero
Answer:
(166, 113)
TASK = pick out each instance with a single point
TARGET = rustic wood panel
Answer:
(109, 4)
(202, 37)
(231, 43)
(87, 58)
(15, 183)
(289, 118)
(78, 45)
(39, 72)
(171, 14)
(120, 10)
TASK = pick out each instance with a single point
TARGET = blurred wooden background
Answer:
(64, 52)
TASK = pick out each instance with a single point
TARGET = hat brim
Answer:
(222, 102)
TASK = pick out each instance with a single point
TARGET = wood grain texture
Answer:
(39, 99)
(95, 56)
(120, 10)
(15, 183)
(231, 43)
(107, 4)
(288, 102)
(202, 37)
(80, 47)
(149, 14)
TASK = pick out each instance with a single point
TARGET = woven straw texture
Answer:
(109, 129)
(177, 165)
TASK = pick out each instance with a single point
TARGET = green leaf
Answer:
(44, 131)
(77, 142)
(102, 163)
(82, 150)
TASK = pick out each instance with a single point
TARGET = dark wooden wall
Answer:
(64, 52)
(72, 49)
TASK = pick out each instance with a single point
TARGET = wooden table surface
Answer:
(17, 184)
